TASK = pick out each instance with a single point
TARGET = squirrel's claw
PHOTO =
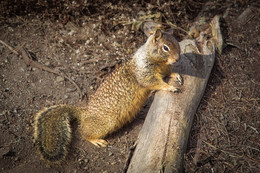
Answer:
(175, 89)
(179, 79)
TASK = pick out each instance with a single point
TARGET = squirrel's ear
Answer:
(170, 31)
(157, 35)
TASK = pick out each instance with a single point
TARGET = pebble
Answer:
(110, 154)
(59, 79)
(47, 63)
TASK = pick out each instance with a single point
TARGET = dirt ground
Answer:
(85, 41)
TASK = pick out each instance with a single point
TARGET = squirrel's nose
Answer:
(171, 61)
(173, 58)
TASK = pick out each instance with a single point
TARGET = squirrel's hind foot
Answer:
(98, 142)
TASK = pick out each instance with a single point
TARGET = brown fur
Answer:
(116, 101)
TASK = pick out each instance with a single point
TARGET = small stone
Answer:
(110, 153)
(59, 79)
(17, 159)
(47, 63)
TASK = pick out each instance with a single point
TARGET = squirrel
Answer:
(116, 101)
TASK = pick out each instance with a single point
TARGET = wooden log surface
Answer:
(163, 138)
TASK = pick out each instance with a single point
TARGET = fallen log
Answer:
(163, 138)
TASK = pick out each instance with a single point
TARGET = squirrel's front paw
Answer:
(178, 78)
(175, 89)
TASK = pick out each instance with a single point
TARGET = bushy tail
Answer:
(53, 132)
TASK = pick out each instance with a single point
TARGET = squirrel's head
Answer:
(166, 48)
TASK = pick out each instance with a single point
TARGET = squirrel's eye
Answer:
(166, 48)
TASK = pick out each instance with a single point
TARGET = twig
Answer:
(216, 148)
(28, 61)
(255, 129)
(20, 47)
(208, 159)
(197, 151)
(9, 47)
(236, 46)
